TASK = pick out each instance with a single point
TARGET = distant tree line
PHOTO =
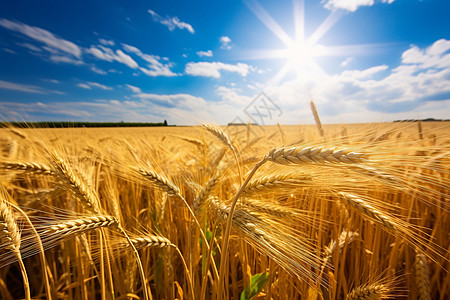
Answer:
(424, 120)
(79, 124)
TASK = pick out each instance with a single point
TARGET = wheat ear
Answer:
(18, 133)
(159, 181)
(173, 190)
(368, 210)
(317, 119)
(369, 292)
(148, 241)
(75, 183)
(293, 155)
(422, 277)
(346, 237)
(193, 141)
(41, 252)
(220, 134)
(10, 238)
(300, 155)
(29, 167)
(78, 226)
(260, 207)
(273, 239)
(283, 180)
(202, 196)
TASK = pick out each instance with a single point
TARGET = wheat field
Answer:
(355, 211)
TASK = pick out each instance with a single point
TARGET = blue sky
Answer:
(208, 61)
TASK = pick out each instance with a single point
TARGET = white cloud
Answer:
(154, 67)
(21, 87)
(231, 95)
(174, 99)
(98, 71)
(435, 56)
(108, 54)
(346, 62)
(225, 42)
(53, 43)
(30, 47)
(208, 53)
(212, 69)
(84, 86)
(367, 73)
(100, 86)
(65, 59)
(90, 84)
(350, 5)
(106, 42)
(134, 89)
(171, 22)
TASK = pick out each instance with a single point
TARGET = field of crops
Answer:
(241, 212)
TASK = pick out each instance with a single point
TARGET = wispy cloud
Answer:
(106, 42)
(212, 69)
(30, 47)
(98, 71)
(90, 84)
(61, 50)
(84, 86)
(208, 53)
(154, 66)
(9, 51)
(21, 87)
(171, 22)
(108, 54)
(350, 5)
(346, 62)
(225, 42)
(133, 88)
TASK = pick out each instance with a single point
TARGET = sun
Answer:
(299, 53)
